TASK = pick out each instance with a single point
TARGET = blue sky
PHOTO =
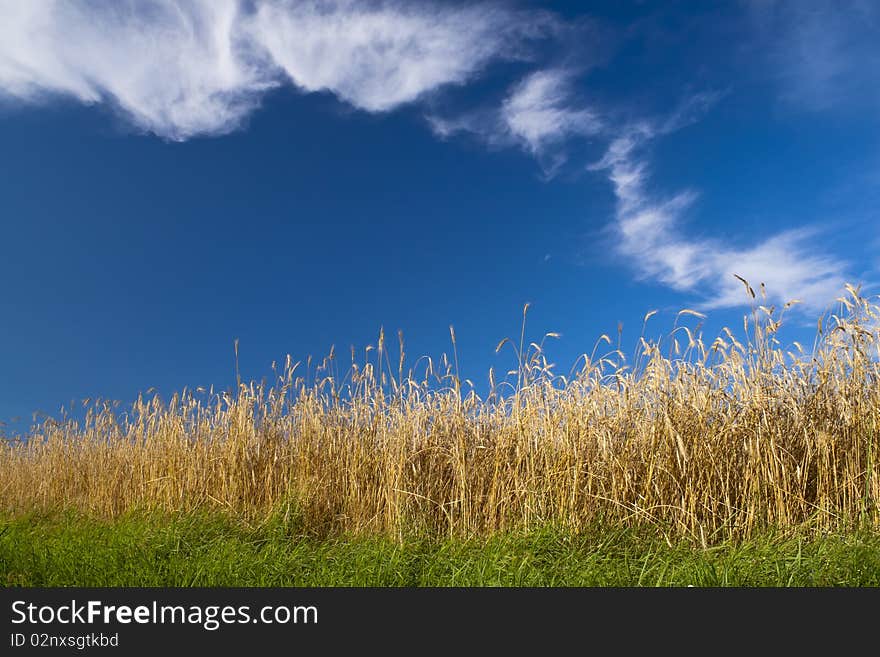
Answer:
(175, 175)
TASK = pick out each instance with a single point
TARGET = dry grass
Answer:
(709, 441)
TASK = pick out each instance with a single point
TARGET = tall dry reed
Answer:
(708, 441)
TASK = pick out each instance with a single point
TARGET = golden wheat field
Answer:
(708, 440)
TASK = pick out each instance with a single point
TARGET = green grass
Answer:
(197, 550)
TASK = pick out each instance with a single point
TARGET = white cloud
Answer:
(540, 114)
(176, 69)
(180, 68)
(379, 56)
(650, 237)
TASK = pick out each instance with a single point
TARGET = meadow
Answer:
(711, 444)
(198, 549)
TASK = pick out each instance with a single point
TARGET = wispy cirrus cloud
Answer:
(182, 68)
(175, 69)
(540, 114)
(649, 235)
(377, 56)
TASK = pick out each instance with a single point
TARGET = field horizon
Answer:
(709, 443)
